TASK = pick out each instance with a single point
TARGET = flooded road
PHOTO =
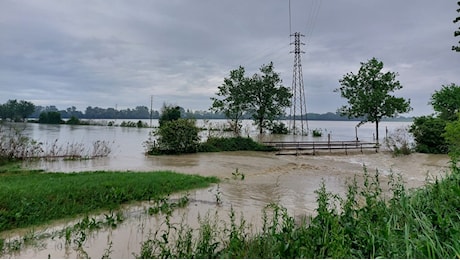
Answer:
(288, 180)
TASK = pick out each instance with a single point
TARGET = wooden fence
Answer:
(311, 147)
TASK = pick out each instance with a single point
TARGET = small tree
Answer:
(169, 113)
(368, 94)
(234, 99)
(428, 134)
(267, 98)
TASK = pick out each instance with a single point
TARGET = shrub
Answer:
(398, 142)
(51, 117)
(317, 132)
(279, 128)
(173, 137)
(73, 121)
(428, 134)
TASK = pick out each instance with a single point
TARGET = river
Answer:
(288, 180)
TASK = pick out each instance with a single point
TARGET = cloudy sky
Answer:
(115, 53)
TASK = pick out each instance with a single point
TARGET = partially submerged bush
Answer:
(174, 137)
(398, 142)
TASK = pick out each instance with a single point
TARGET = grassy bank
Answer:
(424, 223)
(35, 197)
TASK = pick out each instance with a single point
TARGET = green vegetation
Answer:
(317, 132)
(220, 144)
(366, 223)
(16, 111)
(261, 96)
(50, 118)
(368, 94)
(430, 131)
(29, 197)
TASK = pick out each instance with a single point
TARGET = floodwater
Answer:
(288, 180)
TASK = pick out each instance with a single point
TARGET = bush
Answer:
(398, 142)
(51, 117)
(219, 144)
(428, 134)
(317, 132)
(279, 128)
(174, 137)
(73, 121)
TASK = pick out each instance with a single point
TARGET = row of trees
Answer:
(16, 110)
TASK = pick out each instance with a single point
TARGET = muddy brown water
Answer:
(288, 180)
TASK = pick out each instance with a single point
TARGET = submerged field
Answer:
(32, 197)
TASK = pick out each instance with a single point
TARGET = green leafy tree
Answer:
(169, 113)
(446, 102)
(452, 137)
(266, 97)
(233, 102)
(457, 32)
(368, 94)
(25, 109)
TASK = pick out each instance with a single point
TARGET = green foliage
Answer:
(317, 132)
(368, 94)
(219, 144)
(34, 197)
(169, 113)
(262, 96)
(279, 128)
(178, 136)
(16, 111)
(51, 117)
(267, 98)
(446, 102)
(234, 99)
(428, 134)
(73, 121)
(457, 32)
(452, 137)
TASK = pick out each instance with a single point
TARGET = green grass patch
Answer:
(220, 144)
(29, 197)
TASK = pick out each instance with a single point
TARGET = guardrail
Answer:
(314, 146)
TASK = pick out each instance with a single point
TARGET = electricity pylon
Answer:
(298, 113)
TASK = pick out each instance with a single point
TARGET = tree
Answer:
(457, 32)
(267, 98)
(368, 94)
(169, 113)
(25, 109)
(234, 103)
(446, 102)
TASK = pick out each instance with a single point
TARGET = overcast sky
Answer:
(118, 53)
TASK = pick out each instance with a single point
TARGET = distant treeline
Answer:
(143, 112)
(19, 110)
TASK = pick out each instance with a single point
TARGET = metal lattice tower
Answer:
(298, 124)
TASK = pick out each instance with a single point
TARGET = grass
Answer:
(366, 223)
(32, 197)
